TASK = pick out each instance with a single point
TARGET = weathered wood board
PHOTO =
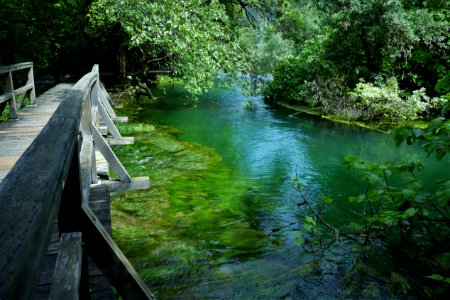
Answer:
(17, 135)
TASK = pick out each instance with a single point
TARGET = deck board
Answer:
(17, 135)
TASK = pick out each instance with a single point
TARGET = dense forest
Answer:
(357, 60)
(367, 60)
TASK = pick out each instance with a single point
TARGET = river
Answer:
(220, 221)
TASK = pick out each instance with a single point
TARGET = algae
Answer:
(191, 216)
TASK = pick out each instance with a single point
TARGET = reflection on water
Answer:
(222, 184)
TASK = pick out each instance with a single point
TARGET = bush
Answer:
(385, 100)
(292, 74)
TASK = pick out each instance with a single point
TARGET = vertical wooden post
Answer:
(33, 90)
(94, 99)
(70, 213)
(9, 88)
(86, 116)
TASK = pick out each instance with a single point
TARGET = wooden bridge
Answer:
(52, 199)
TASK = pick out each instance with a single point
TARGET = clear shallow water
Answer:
(230, 253)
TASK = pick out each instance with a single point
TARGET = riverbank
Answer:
(381, 126)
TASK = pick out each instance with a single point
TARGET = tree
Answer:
(49, 33)
(373, 41)
(191, 40)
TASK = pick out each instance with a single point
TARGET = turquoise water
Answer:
(260, 151)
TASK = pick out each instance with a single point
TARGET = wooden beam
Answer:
(109, 155)
(120, 119)
(30, 196)
(31, 193)
(9, 87)
(108, 257)
(129, 140)
(107, 119)
(105, 100)
(136, 183)
(33, 90)
(16, 67)
(24, 89)
(5, 97)
(67, 273)
(86, 168)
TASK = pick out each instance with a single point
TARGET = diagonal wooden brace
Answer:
(109, 155)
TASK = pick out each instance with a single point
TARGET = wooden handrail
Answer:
(15, 67)
(11, 93)
(51, 180)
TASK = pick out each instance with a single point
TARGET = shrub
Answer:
(385, 100)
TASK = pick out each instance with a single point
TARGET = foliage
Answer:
(291, 74)
(435, 139)
(394, 214)
(354, 41)
(270, 49)
(299, 22)
(44, 32)
(192, 40)
(386, 101)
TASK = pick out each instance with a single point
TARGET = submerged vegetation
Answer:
(195, 200)
(394, 216)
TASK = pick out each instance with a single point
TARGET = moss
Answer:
(371, 292)
(190, 215)
(312, 267)
(398, 284)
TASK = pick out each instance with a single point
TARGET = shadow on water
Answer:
(221, 184)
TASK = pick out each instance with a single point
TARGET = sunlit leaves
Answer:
(439, 277)
(195, 37)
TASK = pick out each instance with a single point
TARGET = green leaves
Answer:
(195, 38)
(439, 277)
(384, 100)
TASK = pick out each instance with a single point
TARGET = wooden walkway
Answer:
(55, 221)
(17, 135)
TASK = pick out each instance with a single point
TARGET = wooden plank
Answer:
(67, 275)
(100, 204)
(9, 87)
(105, 99)
(101, 166)
(107, 119)
(33, 90)
(6, 162)
(108, 257)
(31, 193)
(30, 201)
(87, 148)
(15, 67)
(106, 151)
(23, 113)
(24, 89)
(136, 183)
(5, 97)
(121, 141)
(20, 131)
(120, 119)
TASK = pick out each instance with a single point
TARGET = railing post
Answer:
(70, 214)
(9, 88)
(94, 102)
(33, 90)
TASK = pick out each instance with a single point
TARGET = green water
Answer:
(221, 184)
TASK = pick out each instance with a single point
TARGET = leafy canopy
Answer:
(192, 40)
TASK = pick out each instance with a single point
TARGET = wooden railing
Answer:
(10, 93)
(50, 181)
